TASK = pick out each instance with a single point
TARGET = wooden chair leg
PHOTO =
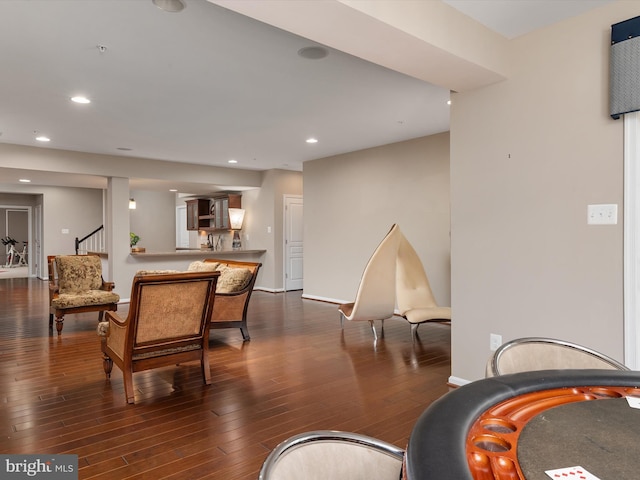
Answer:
(245, 332)
(59, 323)
(206, 369)
(128, 385)
(51, 320)
(107, 364)
(100, 315)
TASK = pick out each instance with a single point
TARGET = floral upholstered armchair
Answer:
(76, 285)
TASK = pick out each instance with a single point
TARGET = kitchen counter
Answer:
(197, 252)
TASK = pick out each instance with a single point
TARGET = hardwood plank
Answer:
(299, 372)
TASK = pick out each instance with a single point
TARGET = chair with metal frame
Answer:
(416, 302)
(335, 455)
(376, 295)
(539, 353)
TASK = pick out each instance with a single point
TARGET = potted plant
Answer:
(133, 241)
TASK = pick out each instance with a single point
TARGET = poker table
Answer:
(517, 426)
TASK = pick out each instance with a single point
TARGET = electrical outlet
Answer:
(495, 341)
(606, 214)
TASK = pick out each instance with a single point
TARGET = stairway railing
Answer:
(94, 242)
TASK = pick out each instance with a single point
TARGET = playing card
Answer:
(573, 473)
(634, 402)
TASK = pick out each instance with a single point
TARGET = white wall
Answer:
(264, 212)
(351, 201)
(78, 210)
(154, 220)
(10, 202)
(527, 157)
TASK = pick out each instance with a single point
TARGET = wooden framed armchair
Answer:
(76, 285)
(167, 324)
(233, 292)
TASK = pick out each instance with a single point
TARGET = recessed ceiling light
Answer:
(313, 53)
(80, 99)
(24, 180)
(173, 190)
(42, 138)
(172, 6)
(232, 161)
(448, 102)
(312, 140)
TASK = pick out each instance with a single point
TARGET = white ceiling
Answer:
(512, 18)
(201, 86)
(207, 85)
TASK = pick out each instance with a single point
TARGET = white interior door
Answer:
(182, 234)
(35, 249)
(293, 242)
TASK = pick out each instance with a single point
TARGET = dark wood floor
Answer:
(299, 372)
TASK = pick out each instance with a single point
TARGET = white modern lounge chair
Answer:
(416, 302)
(376, 296)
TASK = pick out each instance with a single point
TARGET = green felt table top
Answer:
(602, 436)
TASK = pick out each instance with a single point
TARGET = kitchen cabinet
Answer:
(218, 215)
(196, 209)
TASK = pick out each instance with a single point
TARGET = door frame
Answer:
(29, 210)
(181, 212)
(285, 199)
(631, 289)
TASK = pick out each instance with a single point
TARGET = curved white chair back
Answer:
(412, 285)
(326, 454)
(537, 353)
(376, 297)
(415, 299)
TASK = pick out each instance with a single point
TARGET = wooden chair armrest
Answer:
(115, 318)
(115, 340)
(108, 286)
(233, 294)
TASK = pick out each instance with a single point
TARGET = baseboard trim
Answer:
(324, 299)
(269, 290)
(457, 381)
